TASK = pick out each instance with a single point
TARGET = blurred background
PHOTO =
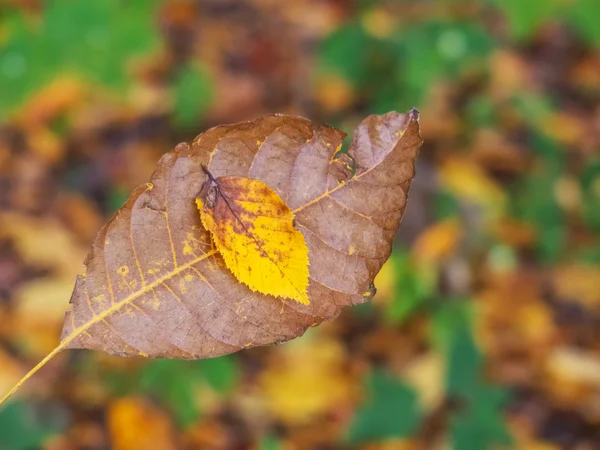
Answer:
(484, 333)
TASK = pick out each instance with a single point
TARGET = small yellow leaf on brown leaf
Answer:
(253, 229)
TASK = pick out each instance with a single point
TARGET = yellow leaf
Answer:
(305, 379)
(135, 424)
(253, 229)
(470, 182)
(437, 242)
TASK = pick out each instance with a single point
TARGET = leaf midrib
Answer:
(98, 317)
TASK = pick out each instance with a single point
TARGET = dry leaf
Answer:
(253, 229)
(305, 379)
(437, 242)
(153, 284)
(135, 424)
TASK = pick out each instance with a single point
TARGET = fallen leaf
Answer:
(392, 411)
(134, 424)
(153, 284)
(11, 370)
(253, 229)
(472, 184)
(426, 375)
(575, 365)
(39, 311)
(578, 283)
(437, 242)
(305, 379)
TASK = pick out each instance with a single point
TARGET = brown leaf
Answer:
(153, 284)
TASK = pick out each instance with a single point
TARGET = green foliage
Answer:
(590, 187)
(22, 427)
(524, 18)
(397, 72)
(436, 50)
(117, 198)
(192, 95)
(270, 443)
(479, 423)
(534, 200)
(446, 205)
(481, 112)
(94, 39)
(175, 382)
(463, 370)
(391, 411)
(347, 52)
(583, 16)
(413, 288)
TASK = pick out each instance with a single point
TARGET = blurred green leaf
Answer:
(270, 443)
(481, 424)
(532, 108)
(525, 18)
(448, 318)
(435, 50)
(96, 39)
(446, 205)
(481, 112)
(590, 255)
(346, 52)
(175, 382)
(534, 199)
(22, 427)
(583, 16)
(117, 198)
(220, 373)
(413, 287)
(464, 363)
(396, 73)
(192, 94)
(590, 187)
(391, 411)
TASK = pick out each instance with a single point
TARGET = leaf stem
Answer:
(33, 371)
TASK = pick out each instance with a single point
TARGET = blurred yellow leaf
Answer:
(305, 378)
(514, 232)
(509, 73)
(572, 380)
(44, 243)
(59, 96)
(334, 93)
(425, 373)
(471, 183)
(393, 444)
(514, 319)
(10, 372)
(39, 312)
(385, 282)
(135, 424)
(564, 128)
(379, 23)
(575, 365)
(437, 242)
(578, 283)
(45, 144)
